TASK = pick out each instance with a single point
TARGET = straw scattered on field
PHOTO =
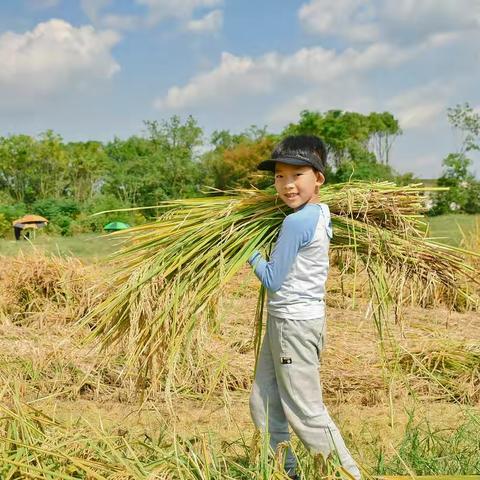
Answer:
(55, 381)
(35, 444)
(443, 369)
(46, 355)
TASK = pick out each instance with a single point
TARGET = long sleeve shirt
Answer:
(296, 272)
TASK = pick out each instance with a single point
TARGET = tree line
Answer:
(68, 181)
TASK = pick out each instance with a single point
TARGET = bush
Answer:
(454, 201)
(12, 212)
(52, 229)
(63, 222)
(472, 205)
(59, 212)
(406, 179)
(103, 203)
(363, 169)
(80, 225)
(9, 213)
(463, 194)
(235, 165)
(5, 226)
(52, 208)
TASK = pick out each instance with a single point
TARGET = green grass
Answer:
(431, 450)
(93, 247)
(450, 227)
(90, 247)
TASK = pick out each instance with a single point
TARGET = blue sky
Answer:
(92, 69)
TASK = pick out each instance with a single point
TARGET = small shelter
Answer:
(28, 222)
(114, 226)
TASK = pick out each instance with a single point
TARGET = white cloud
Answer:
(350, 18)
(181, 9)
(431, 16)
(347, 93)
(53, 57)
(408, 21)
(92, 8)
(421, 115)
(156, 11)
(121, 22)
(421, 107)
(212, 22)
(315, 66)
(218, 83)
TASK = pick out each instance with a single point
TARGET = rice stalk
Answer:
(444, 370)
(45, 289)
(170, 274)
(34, 445)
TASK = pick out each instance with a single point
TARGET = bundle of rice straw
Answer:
(170, 273)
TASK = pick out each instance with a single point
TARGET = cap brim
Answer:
(270, 164)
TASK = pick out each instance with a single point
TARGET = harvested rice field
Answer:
(407, 405)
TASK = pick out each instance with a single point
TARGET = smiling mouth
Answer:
(290, 196)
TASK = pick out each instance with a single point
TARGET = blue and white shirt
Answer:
(297, 270)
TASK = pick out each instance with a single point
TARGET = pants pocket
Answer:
(303, 342)
(306, 390)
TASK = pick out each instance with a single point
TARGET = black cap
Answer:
(298, 150)
(292, 160)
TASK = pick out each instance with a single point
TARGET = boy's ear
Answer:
(320, 177)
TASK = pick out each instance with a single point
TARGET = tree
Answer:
(464, 190)
(383, 129)
(59, 211)
(17, 172)
(177, 168)
(88, 165)
(50, 165)
(466, 121)
(129, 168)
(349, 136)
(233, 162)
(363, 167)
(35, 168)
(163, 164)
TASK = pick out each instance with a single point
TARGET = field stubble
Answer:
(375, 389)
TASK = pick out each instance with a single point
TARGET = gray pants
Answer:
(287, 390)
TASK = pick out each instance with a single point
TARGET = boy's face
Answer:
(297, 184)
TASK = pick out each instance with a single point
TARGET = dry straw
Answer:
(444, 370)
(42, 289)
(34, 445)
(170, 274)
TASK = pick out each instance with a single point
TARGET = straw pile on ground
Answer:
(35, 287)
(170, 274)
(443, 370)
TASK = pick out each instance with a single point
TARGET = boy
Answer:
(287, 386)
